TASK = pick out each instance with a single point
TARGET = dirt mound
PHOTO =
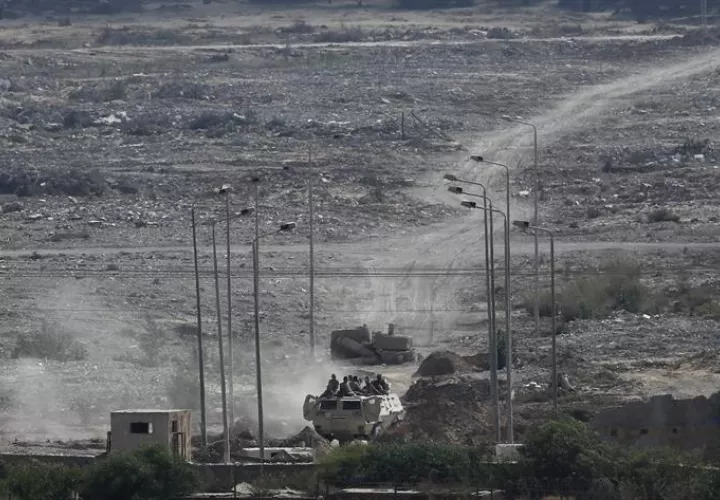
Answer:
(442, 363)
(305, 438)
(447, 363)
(456, 389)
(454, 410)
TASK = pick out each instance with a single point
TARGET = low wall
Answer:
(223, 477)
(69, 460)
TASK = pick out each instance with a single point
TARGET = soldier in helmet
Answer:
(333, 386)
(345, 389)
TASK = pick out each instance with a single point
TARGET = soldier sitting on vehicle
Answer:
(380, 385)
(367, 387)
(345, 390)
(354, 384)
(333, 386)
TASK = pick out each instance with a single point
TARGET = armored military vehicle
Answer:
(353, 417)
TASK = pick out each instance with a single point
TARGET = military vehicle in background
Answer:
(354, 417)
(363, 347)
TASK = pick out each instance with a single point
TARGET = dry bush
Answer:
(298, 27)
(662, 214)
(147, 124)
(59, 236)
(616, 287)
(128, 36)
(183, 90)
(221, 121)
(498, 33)
(692, 147)
(74, 182)
(49, 343)
(343, 35)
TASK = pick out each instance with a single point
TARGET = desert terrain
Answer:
(112, 128)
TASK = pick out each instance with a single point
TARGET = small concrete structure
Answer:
(132, 429)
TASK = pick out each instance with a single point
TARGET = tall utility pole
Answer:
(256, 293)
(535, 222)
(231, 372)
(703, 13)
(311, 202)
(536, 193)
(226, 430)
(201, 359)
(258, 371)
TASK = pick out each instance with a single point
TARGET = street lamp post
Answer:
(490, 287)
(536, 191)
(508, 335)
(201, 357)
(223, 387)
(225, 190)
(311, 217)
(525, 225)
(287, 226)
(506, 227)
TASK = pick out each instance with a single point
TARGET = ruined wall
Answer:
(686, 424)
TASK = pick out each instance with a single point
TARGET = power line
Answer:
(290, 273)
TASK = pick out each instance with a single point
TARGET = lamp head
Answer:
(522, 224)
(287, 226)
(455, 189)
(477, 158)
(468, 204)
(450, 177)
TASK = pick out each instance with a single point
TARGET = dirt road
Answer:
(452, 245)
(345, 45)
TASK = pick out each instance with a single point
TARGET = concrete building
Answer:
(685, 424)
(132, 429)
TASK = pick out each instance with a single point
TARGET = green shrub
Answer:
(150, 473)
(403, 464)
(561, 449)
(37, 481)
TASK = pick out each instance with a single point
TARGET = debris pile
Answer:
(453, 410)
(306, 438)
(372, 349)
(447, 363)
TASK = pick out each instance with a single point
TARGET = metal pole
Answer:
(703, 13)
(231, 372)
(201, 359)
(553, 313)
(493, 336)
(226, 433)
(312, 261)
(554, 328)
(258, 368)
(490, 305)
(256, 294)
(537, 248)
(508, 334)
